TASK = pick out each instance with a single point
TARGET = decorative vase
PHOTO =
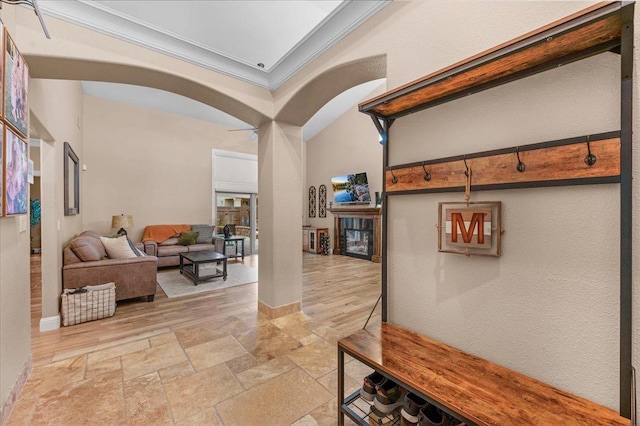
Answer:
(226, 231)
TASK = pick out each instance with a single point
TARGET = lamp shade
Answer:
(122, 221)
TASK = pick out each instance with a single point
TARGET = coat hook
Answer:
(590, 159)
(521, 166)
(395, 179)
(466, 173)
(427, 175)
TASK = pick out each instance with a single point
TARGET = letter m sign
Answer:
(468, 227)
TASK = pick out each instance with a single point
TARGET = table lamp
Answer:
(122, 221)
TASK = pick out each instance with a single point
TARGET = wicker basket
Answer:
(88, 303)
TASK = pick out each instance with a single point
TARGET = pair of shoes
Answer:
(389, 396)
(377, 418)
(430, 415)
(411, 409)
(368, 391)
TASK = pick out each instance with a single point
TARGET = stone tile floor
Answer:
(241, 370)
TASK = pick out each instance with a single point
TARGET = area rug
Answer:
(175, 285)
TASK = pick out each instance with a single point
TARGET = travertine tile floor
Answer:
(243, 369)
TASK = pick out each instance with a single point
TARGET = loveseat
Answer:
(165, 242)
(86, 262)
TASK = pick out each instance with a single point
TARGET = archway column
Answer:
(280, 181)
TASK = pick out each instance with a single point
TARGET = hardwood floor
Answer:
(338, 294)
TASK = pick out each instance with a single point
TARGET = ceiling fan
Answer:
(253, 130)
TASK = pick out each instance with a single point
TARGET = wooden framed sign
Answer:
(471, 228)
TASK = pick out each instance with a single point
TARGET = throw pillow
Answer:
(118, 247)
(187, 238)
(87, 248)
(134, 248)
(205, 233)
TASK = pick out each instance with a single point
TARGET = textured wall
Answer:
(349, 145)
(549, 306)
(150, 164)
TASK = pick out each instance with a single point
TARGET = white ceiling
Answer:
(231, 37)
(228, 36)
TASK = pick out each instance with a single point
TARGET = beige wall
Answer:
(349, 145)
(57, 105)
(548, 307)
(15, 344)
(152, 165)
(529, 309)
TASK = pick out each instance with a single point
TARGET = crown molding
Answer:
(336, 26)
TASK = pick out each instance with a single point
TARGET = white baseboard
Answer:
(50, 323)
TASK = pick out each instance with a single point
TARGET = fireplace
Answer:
(357, 232)
(357, 243)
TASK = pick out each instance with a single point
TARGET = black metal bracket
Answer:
(382, 126)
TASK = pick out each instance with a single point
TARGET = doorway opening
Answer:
(240, 212)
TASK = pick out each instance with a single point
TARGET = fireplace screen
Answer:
(357, 242)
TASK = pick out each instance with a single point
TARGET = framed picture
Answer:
(1, 169)
(71, 181)
(15, 174)
(472, 228)
(16, 80)
(1, 76)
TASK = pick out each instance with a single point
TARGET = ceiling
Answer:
(176, 104)
(230, 37)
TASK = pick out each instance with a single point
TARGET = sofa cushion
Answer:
(200, 247)
(170, 242)
(187, 238)
(118, 247)
(87, 248)
(205, 233)
(164, 251)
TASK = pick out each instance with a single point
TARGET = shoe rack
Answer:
(462, 385)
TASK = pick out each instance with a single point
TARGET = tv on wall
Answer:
(352, 189)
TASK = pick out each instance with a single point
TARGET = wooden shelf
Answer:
(466, 386)
(589, 32)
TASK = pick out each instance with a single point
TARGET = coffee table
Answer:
(199, 269)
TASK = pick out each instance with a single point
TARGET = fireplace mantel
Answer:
(367, 212)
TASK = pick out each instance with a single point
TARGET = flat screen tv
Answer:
(351, 189)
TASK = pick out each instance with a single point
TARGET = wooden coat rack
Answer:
(561, 162)
(603, 27)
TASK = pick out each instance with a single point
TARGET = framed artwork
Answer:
(312, 201)
(1, 79)
(1, 169)
(15, 174)
(16, 80)
(472, 228)
(322, 201)
(71, 181)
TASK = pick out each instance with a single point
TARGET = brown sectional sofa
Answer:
(162, 241)
(134, 277)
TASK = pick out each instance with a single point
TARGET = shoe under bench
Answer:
(465, 386)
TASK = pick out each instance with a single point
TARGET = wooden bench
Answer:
(470, 388)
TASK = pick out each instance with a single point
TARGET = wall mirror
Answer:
(71, 181)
